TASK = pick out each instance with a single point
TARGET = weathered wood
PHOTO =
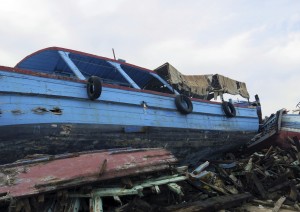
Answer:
(281, 178)
(178, 141)
(271, 204)
(104, 192)
(269, 152)
(135, 205)
(297, 143)
(259, 186)
(294, 194)
(231, 178)
(127, 182)
(97, 204)
(221, 190)
(84, 169)
(280, 186)
(279, 117)
(103, 167)
(212, 204)
(278, 204)
(23, 205)
(73, 205)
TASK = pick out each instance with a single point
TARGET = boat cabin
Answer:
(165, 79)
(73, 64)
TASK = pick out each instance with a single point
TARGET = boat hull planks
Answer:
(189, 145)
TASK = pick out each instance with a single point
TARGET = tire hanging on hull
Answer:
(183, 104)
(228, 109)
(94, 87)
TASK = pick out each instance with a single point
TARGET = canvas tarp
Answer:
(201, 85)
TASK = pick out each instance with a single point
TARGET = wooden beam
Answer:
(211, 204)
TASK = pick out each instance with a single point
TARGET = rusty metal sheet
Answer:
(83, 168)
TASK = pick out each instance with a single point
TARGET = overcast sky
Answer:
(255, 41)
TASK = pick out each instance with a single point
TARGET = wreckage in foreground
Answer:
(115, 180)
(33, 179)
(148, 180)
(59, 100)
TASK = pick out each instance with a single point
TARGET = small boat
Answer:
(289, 127)
(281, 128)
(59, 100)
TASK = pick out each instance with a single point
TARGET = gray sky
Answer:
(255, 41)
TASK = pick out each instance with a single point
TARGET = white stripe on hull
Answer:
(290, 129)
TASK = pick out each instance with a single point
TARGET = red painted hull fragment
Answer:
(83, 168)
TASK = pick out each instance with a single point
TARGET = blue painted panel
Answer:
(22, 83)
(140, 76)
(291, 121)
(49, 61)
(45, 61)
(98, 67)
(74, 111)
(65, 57)
(124, 74)
(21, 94)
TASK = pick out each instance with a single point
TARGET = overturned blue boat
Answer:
(59, 100)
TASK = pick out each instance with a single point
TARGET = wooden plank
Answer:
(271, 204)
(297, 143)
(280, 186)
(279, 117)
(83, 169)
(259, 186)
(212, 204)
(278, 204)
(261, 139)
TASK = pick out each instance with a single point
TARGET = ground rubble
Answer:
(264, 180)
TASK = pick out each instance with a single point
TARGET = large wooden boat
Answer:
(59, 100)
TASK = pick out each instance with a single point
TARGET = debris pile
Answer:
(148, 180)
(271, 175)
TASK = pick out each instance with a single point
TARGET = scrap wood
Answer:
(212, 204)
(270, 173)
(280, 186)
(67, 172)
(294, 194)
(296, 142)
(135, 205)
(216, 188)
(259, 186)
(267, 155)
(135, 190)
(272, 204)
(267, 174)
(278, 204)
(231, 178)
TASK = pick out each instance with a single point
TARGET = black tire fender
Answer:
(183, 104)
(229, 109)
(94, 87)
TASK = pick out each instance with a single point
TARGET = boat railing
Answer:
(297, 110)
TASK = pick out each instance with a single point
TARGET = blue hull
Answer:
(48, 115)
(47, 107)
